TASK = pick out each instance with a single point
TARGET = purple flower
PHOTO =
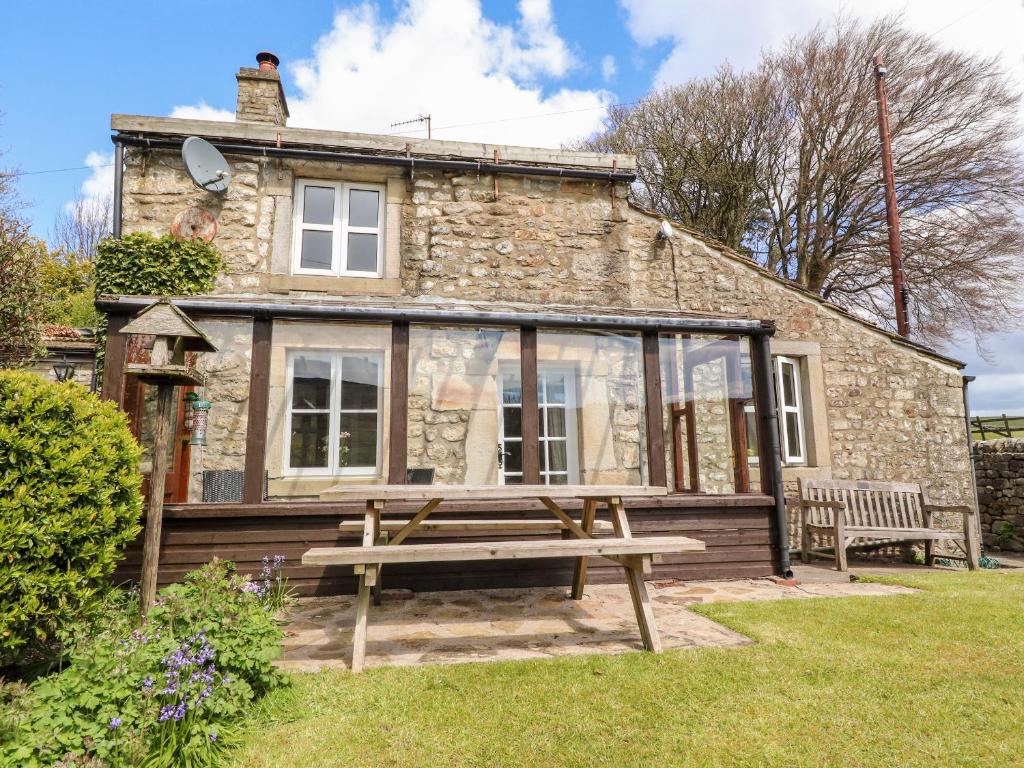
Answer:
(213, 735)
(115, 723)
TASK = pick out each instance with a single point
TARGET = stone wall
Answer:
(893, 413)
(999, 469)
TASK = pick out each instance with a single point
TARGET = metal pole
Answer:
(155, 509)
(892, 212)
(771, 455)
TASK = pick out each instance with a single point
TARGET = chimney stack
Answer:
(260, 94)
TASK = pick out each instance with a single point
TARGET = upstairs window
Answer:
(339, 229)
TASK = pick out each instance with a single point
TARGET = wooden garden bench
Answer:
(379, 548)
(880, 513)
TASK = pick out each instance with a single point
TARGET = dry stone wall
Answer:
(893, 413)
(999, 469)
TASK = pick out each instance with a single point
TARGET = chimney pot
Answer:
(267, 60)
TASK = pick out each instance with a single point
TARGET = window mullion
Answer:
(341, 233)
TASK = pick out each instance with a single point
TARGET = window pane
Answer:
(311, 382)
(316, 249)
(788, 385)
(558, 480)
(513, 456)
(513, 479)
(318, 205)
(362, 252)
(542, 450)
(460, 380)
(309, 440)
(556, 448)
(357, 440)
(359, 378)
(708, 412)
(513, 421)
(362, 208)
(793, 434)
(556, 422)
(594, 393)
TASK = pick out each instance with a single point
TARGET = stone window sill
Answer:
(340, 286)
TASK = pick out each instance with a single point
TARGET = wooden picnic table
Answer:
(378, 548)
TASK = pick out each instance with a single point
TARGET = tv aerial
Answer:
(205, 164)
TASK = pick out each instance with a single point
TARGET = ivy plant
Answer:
(142, 264)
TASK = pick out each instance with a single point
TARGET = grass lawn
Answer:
(931, 679)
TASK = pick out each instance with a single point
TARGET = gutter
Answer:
(403, 161)
(264, 309)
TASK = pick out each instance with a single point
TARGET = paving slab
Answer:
(505, 624)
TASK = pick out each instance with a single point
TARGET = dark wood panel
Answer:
(259, 401)
(398, 440)
(655, 420)
(530, 415)
(737, 538)
(113, 359)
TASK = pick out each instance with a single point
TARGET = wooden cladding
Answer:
(114, 359)
(658, 473)
(530, 413)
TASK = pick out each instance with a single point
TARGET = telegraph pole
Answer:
(892, 211)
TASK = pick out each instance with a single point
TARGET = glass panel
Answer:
(513, 479)
(513, 421)
(793, 435)
(360, 377)
(512, 389)
(708, 410)
(311, 382)
(318, 205)
(362, 252)
(556, 422)
(788, 385)
(308, 447)
(459, 380)
(513, 456)
(557, 480)
(357, 440)
(598, 380)
(316, 249)
(363, 205)
(556, 450)
(543, 453)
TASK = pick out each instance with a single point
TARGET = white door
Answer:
(558, 414)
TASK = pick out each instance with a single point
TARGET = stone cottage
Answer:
(399, 310)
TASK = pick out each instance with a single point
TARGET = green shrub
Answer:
(145, 265)
(69, 502)
(167, 692)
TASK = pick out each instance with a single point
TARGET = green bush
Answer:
(168, 692)
(69, 502)
(145, 265)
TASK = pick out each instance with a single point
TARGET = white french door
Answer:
(558, 415)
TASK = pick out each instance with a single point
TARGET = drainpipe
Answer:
(118, 187)
(970, 452)
(771, 455)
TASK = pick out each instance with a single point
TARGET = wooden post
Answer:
(259, 399)
(155, 509)
(530, 414)
(112, 387)
(398, 435)
(655, 414)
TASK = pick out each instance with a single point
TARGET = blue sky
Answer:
(528, 72)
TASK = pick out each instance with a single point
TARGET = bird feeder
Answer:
(173, 335)
(200, 420)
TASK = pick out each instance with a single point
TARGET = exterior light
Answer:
(64, 371)
(664, 230)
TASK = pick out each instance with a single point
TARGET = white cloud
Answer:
(608, 68)
(202, 111)
(738, 29)
(100, 183)
(446, 59)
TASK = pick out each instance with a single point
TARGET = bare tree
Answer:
(79, 228)
(796, 159)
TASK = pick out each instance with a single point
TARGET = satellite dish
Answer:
(205, 165)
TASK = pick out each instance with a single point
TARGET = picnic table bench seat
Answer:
(380, 538)
(879, 512)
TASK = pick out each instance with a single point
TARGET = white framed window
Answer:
(791, 410)
(333, 423)
(338, 229)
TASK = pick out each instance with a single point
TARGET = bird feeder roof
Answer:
(162, 318)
